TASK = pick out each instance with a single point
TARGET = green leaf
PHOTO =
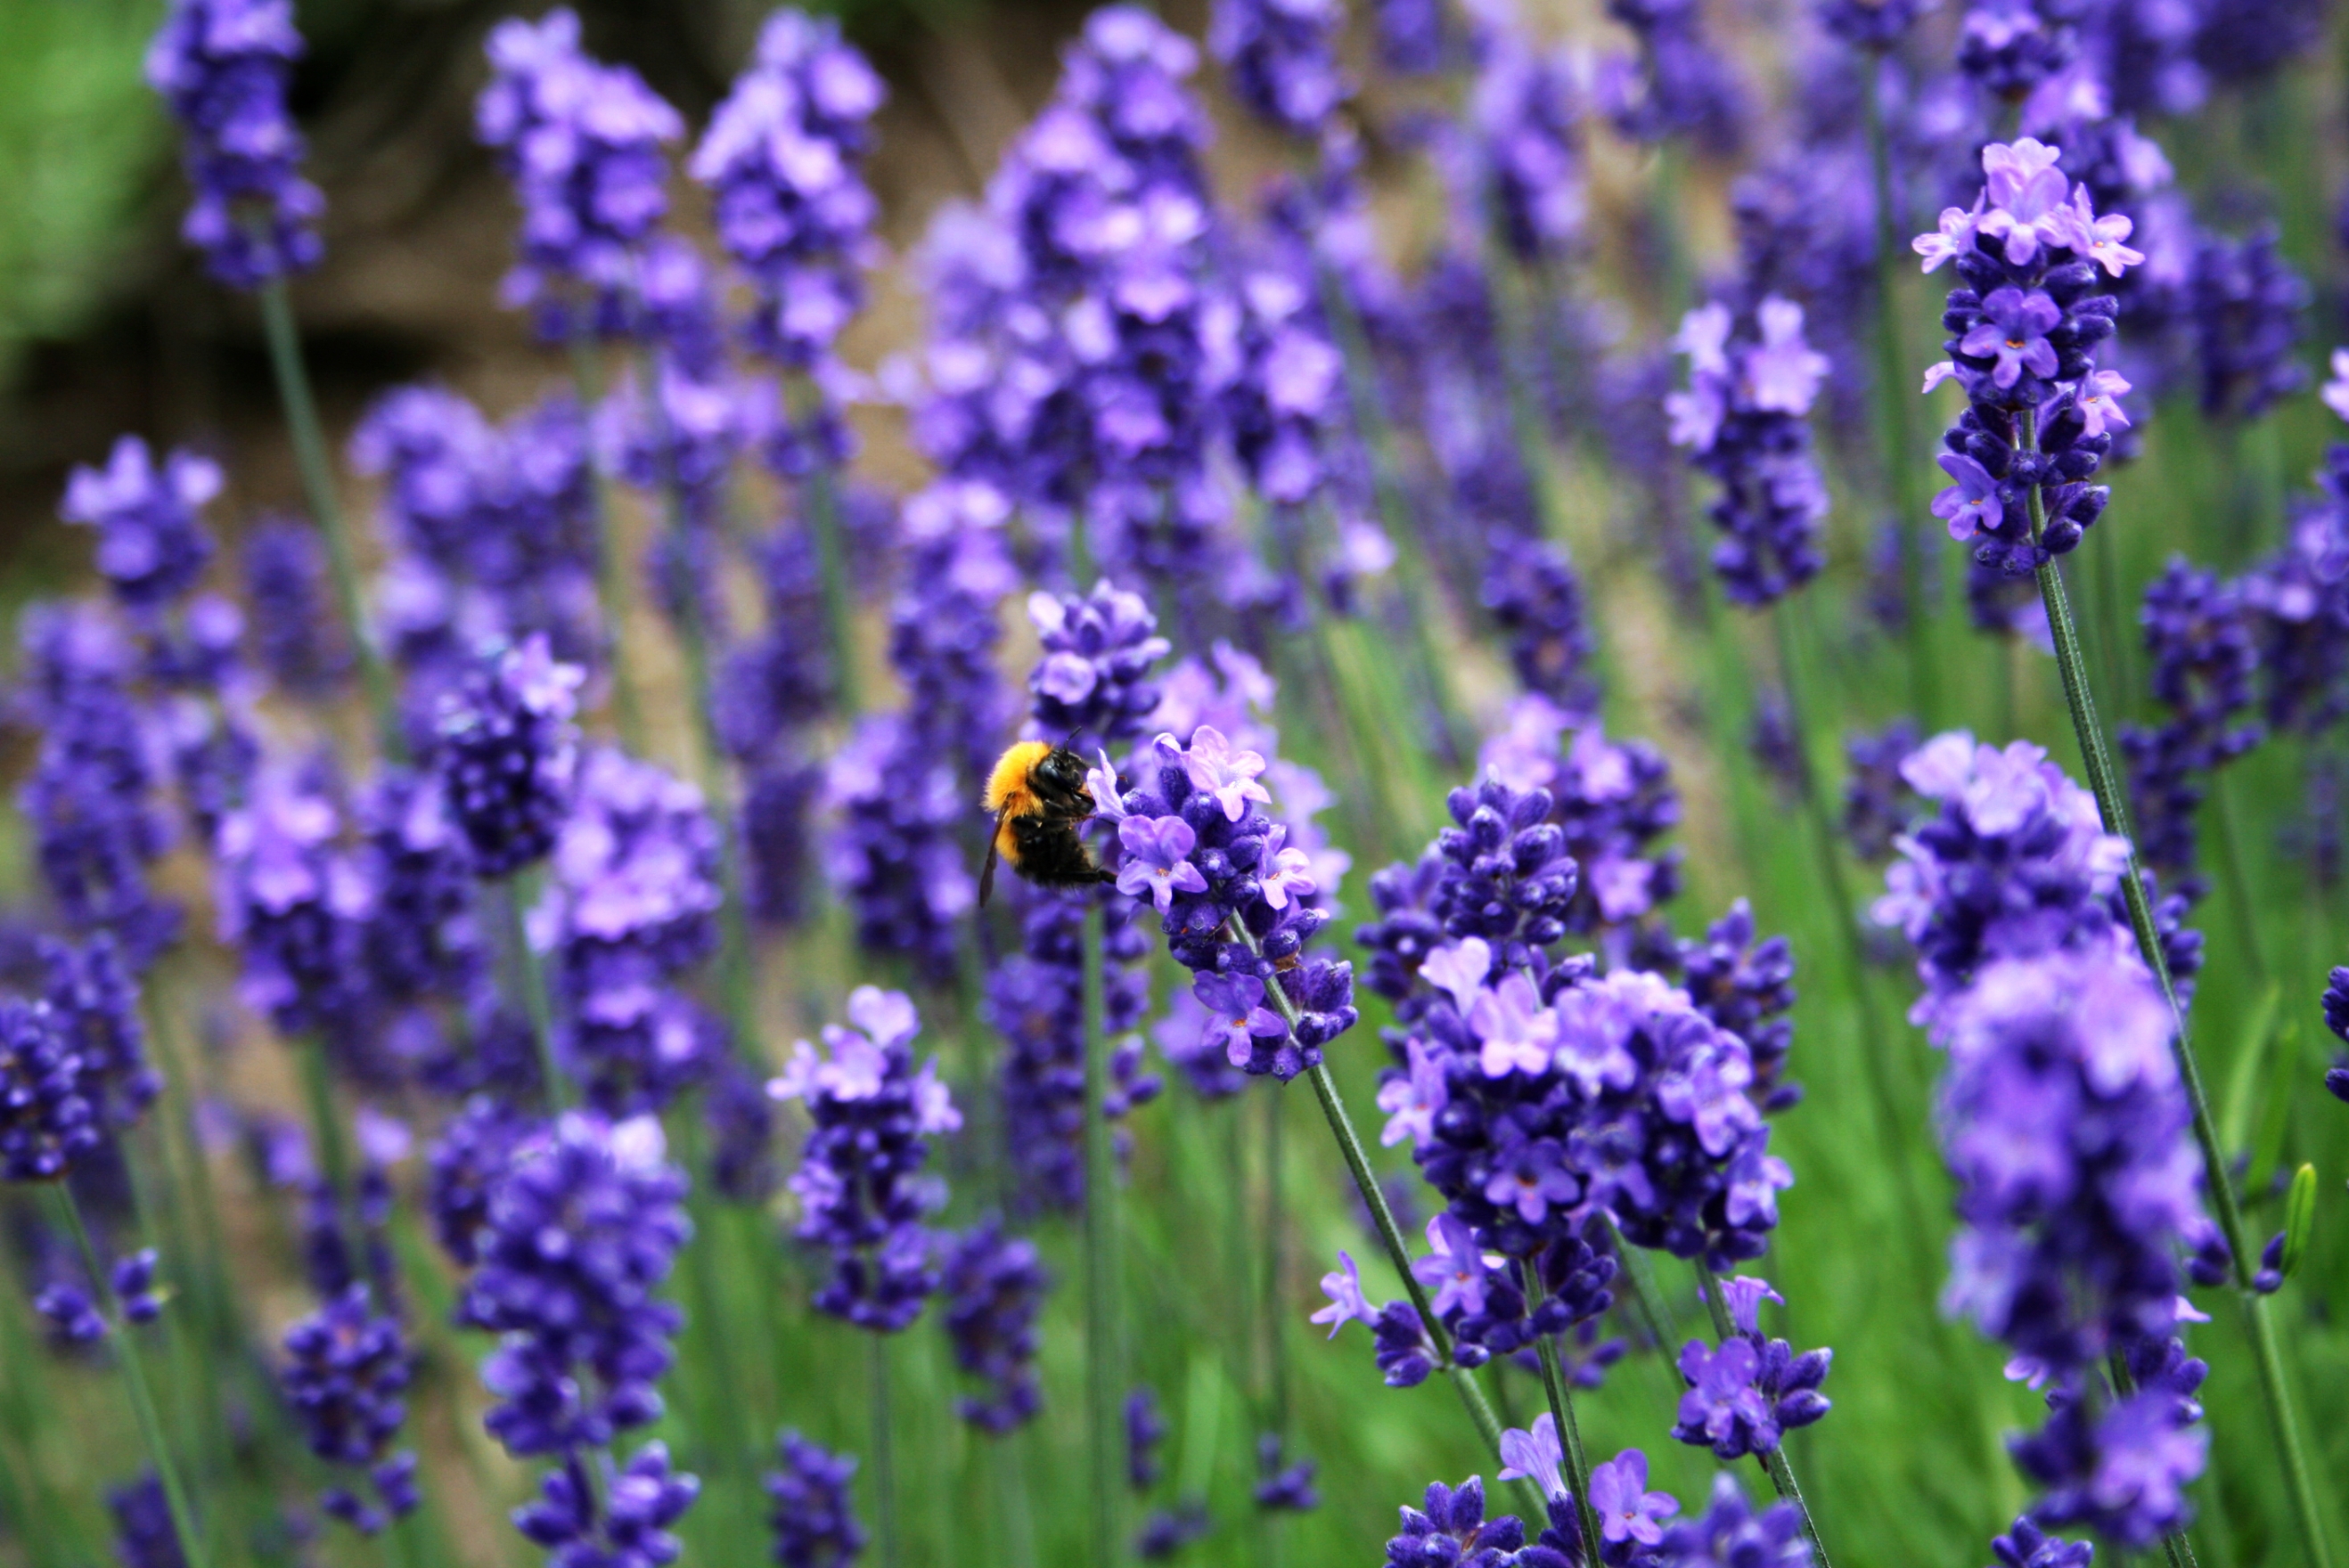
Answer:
(2242, 1082)
(2298, 1216)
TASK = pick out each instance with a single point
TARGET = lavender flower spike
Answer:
(222, 65)
(509, 752)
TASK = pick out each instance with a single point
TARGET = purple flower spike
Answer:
(509, 752)
(151, 546)
(814, 1515)
(1627, 1509)
(222, 65)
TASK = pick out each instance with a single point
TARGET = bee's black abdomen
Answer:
(1051, 855)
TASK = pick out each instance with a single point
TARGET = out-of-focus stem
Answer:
(1101, 1256)
(1578, 1464)
(611, 566)
(1892, 401)
(318, 486)
(126, 1355)
(884, 1456)
(2104, 783)
(2239, 884)
(1781, 1473)
(530, 975)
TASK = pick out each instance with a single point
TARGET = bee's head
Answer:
(1061, 769)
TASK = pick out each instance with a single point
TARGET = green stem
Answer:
(1773, 1463)
(611, 563)
(1011, 1492)
(884, 1457)
(2232, 866)
(1577, 1465)
(318, 485)
(530, 973)
(192, 1545)
(2103, 782)
(831, 565)
(1275, 1267)
(334, 1157)
(1101, 1392)
(1892, 399)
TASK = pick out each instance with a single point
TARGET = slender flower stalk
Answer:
(301, 409)
(1774, 1460)
(193, 1543)
(1102, 1361)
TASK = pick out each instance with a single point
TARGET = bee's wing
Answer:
(986, 871)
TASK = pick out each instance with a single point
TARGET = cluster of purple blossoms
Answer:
(2300, 598)
(508, 754)
(895, 853)
(465, 1164)
(813, 1517)
(422, 940)
(296, 908)
(1283, 59)
(581, 142)
(862, 1195)
(495, 526)
(994, 1284)
(634, 899)
(1036, 1001)
(782, 154)
(222, 65)
(285, 583)
(2010, 48)
(2336, 1019)
(72, 1314)
(1099, 651)
(578, 1225)
(1520, 165)
(2024, 322)
(1635, 1526)
(770, 688)
(2202, 636)
(144, 1533)
(1745, 1394)
(1744, 416)
(622, 1517)
(1680, 85)
(2249, 311)
(151, 543)
(1873, 25)
(2066, 1129)
(93, 1002)
(345, 1376)
(46, 1122)
(1876, 801)
(1534, 593)
(1612, 799)
(97, 826)
(1234, 898)
(2014, 861)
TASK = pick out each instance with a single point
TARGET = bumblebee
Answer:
(1037, 792)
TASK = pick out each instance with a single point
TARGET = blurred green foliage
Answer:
(81, 141)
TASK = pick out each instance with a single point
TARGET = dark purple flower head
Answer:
(2028, 1546)
(1728, 1535)
(2298, 599)
(581, 142)
(145, 1535)
(1877, 800)
(1146, 1429)
(1236, 903)
(345, 1377)
(863, 1194)
(1283, 58)
(1096, 675)
(45, 1123)
(894, 854)
(634, 904)
(1036, 1000)
(1679, 85)
(1532, 591)
(286, 584)
(2250, 310)
(1450, 1531)
(152, 545)
(508, 753)
(2016, 862)
(814, 1516)
(1744, 415)
(995, 1283)
(94, 1003)
(222, 65)
(1874, 24)
(1745, 1394)
(1283, 1488)
(783, 154)
(2009, 46)
(296, 906)
(96, 825)
(1522, 163)
(619, 1519)
(582, 1223)
(1612, 800)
